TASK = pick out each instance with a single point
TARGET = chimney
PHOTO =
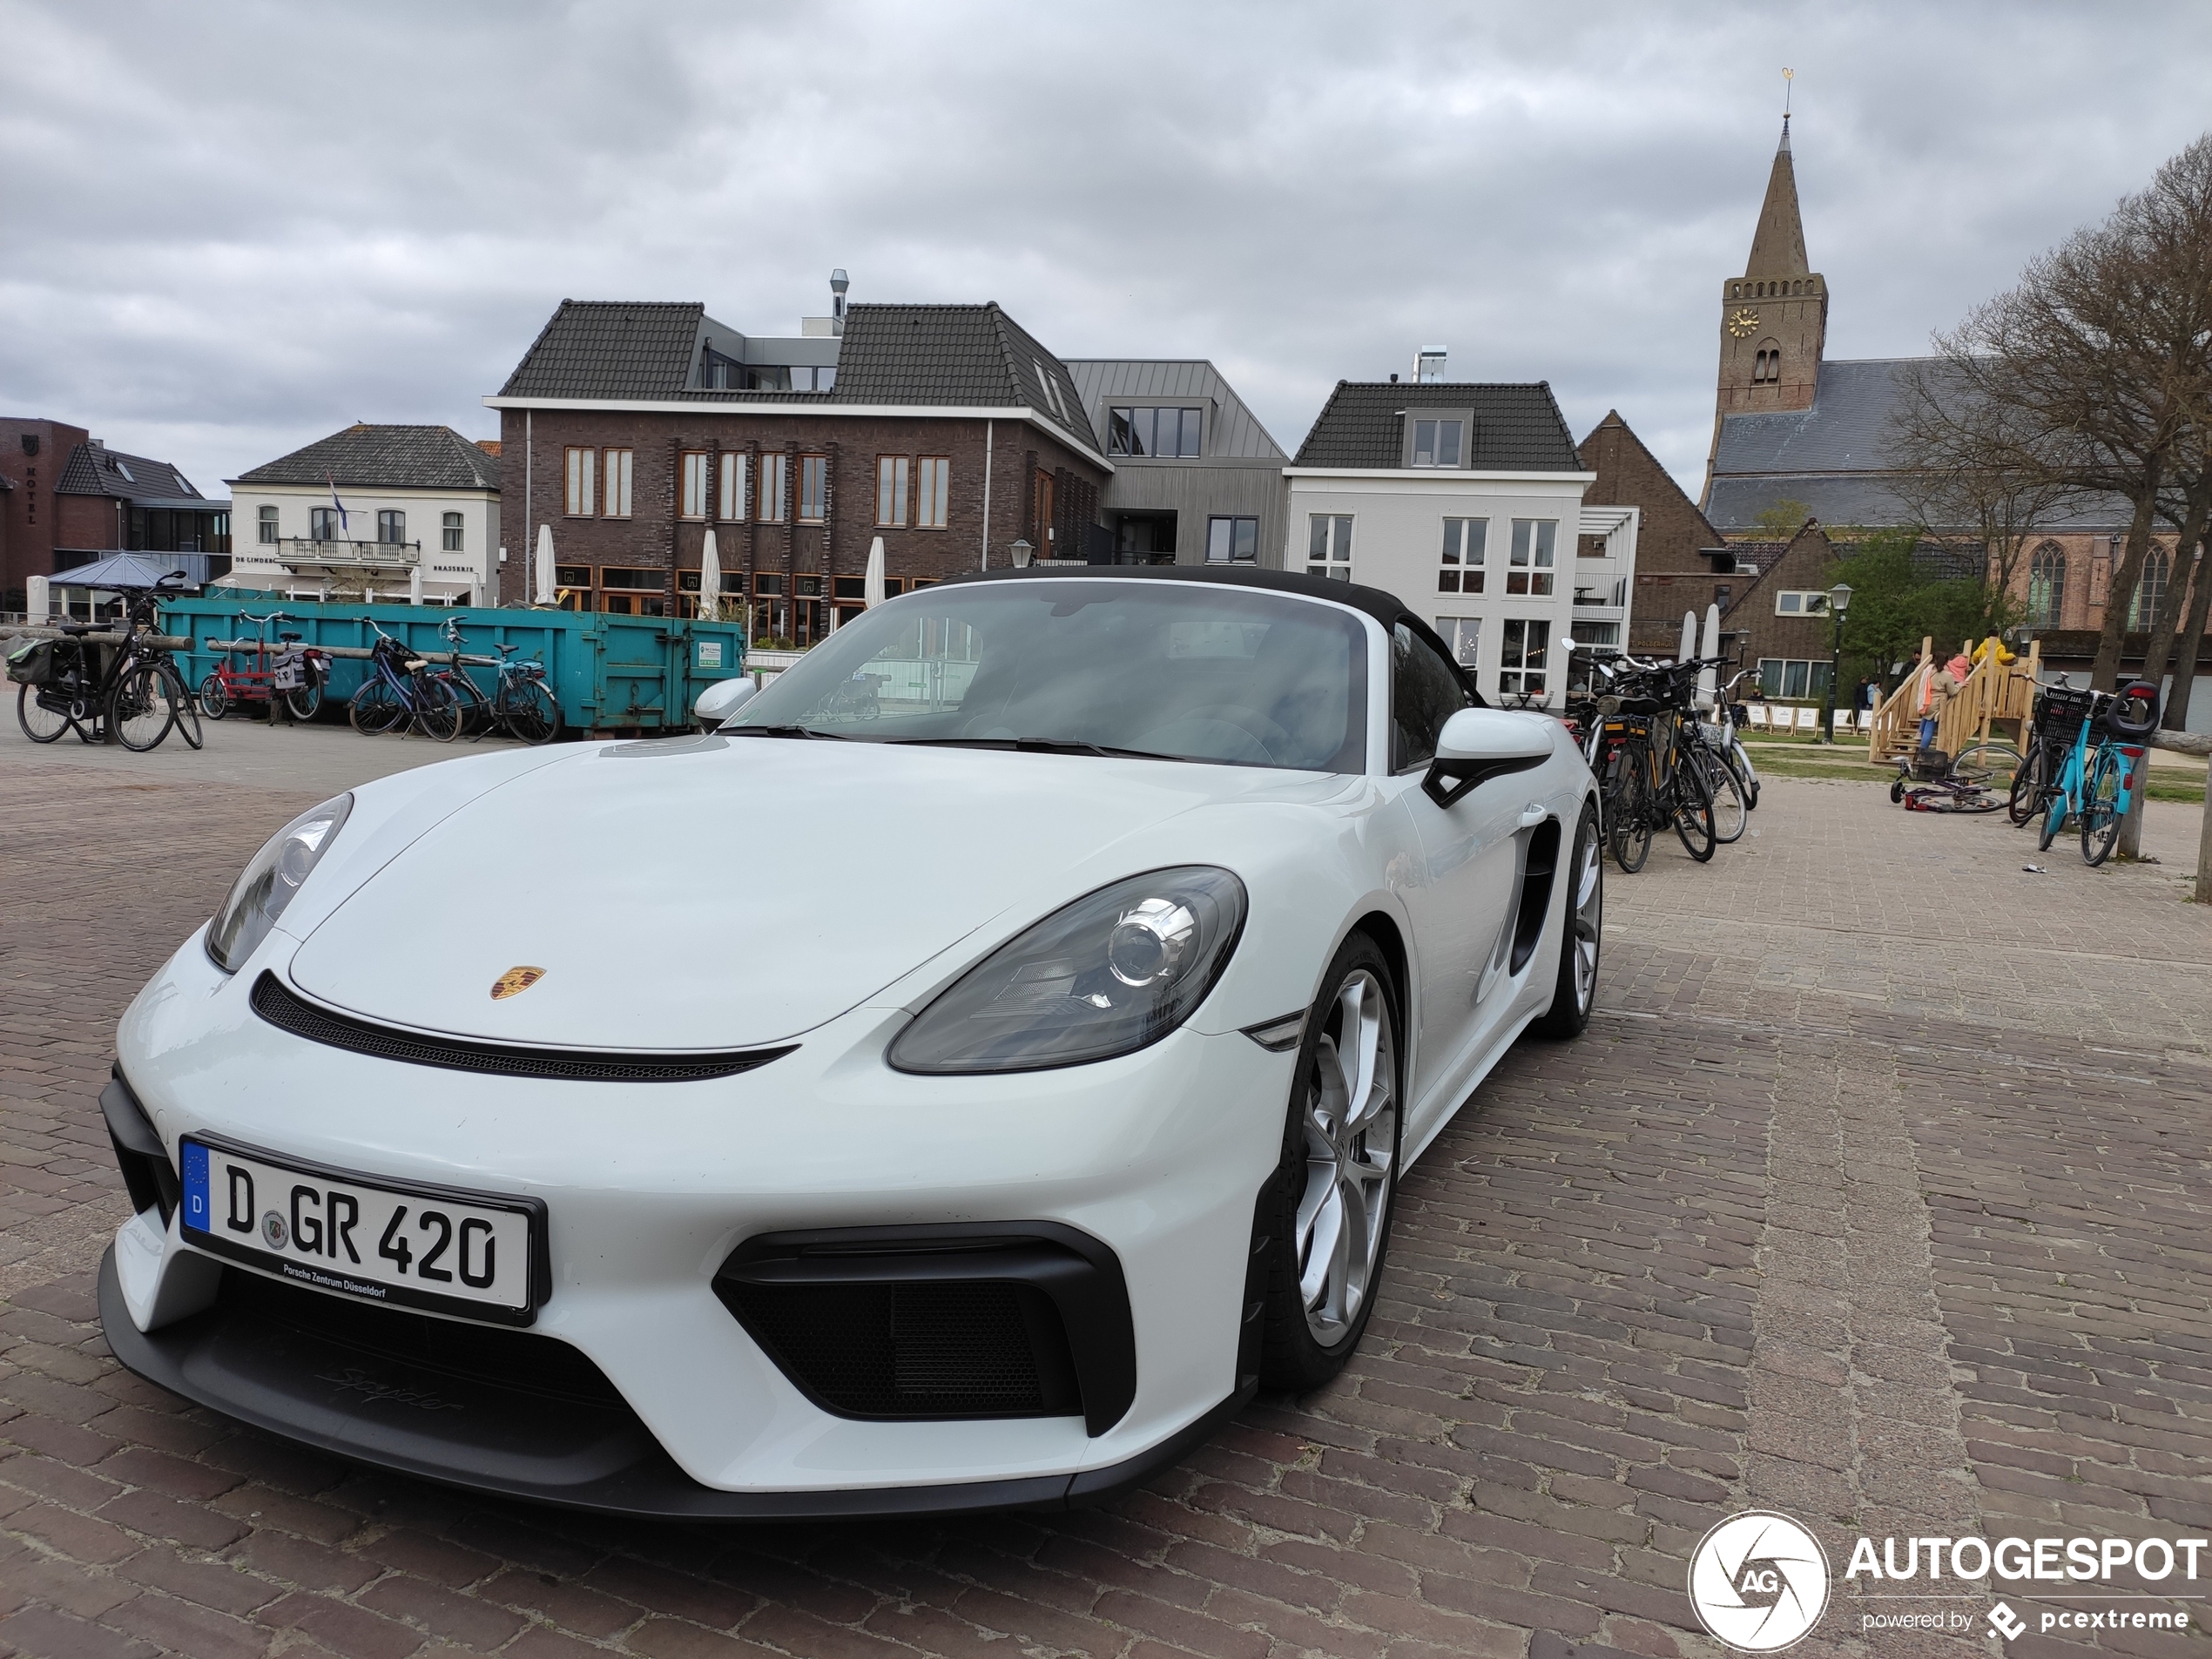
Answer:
(1428, 365)
(839, 283)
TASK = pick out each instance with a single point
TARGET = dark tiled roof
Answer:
(94, 471)
(974, 356)
(408, 457)
(1517, 428)
(611, 348)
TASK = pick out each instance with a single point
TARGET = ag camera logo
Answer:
(1758, 1581)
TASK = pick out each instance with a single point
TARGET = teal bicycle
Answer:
(2096, 786)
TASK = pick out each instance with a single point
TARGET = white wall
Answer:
(476, 562)
(1398, 535)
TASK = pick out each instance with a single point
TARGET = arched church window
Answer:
(1766, 366)
(2046, 585)
(2150, 591)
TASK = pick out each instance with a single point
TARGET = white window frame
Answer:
(1809, 602)
(1462, 636)
(1514, 674)
(1467, 545)
(1532, 565)
(266, 519)
(1328, 545)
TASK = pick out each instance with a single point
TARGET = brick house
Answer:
(1682, 562)
(67, 498)
(633, 429)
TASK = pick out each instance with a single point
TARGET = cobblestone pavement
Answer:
(1876, 1193)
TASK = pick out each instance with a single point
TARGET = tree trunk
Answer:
(2160, 649)
(2104, 674)
(2190, 641)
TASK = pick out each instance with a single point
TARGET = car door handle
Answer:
(1532, 814)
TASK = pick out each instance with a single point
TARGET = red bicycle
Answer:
(290, 672)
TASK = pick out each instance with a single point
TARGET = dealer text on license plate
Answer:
(418, 1249)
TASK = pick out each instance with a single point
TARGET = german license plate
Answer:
(414, 1246)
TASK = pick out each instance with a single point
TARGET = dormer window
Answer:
(1438, 442)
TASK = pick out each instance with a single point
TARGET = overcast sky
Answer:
(226, 230)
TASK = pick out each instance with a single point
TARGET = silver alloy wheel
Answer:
(1588, 918)
(1350, 1156)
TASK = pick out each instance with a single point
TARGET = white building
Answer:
(1465, 501)
(367, 513)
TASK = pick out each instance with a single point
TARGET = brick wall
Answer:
(535, 447)
(1672, 575)
(30, 525)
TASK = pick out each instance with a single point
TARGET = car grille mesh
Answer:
(927, 1349)
(281, 1009)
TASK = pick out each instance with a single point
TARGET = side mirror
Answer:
(723, 699)
(1477, 744)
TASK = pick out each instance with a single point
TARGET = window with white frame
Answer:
(449, 532)
(617, 481)
(1328, 545)
(1535, 544)
(1438, 442)
(268, 525)
(1462, 635)
(730, 498)
(1524, 642)
(932, 505)
(1464, 543)
(1792, 602)
(1785, 677)
(583, 475)
(774, 473)
(691, 496)
(892, 477)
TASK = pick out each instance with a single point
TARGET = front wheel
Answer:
(1694, 812)
(529, 713)
(214, 697)
(1326, 1213)
(39, 723)
(2101, 814)
(375, 708)
(1629, 828)
(2019, 800)
(1574, 992)
(181, 701)
(438, 711)
(138, 709)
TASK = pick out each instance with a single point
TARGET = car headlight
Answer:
(260, 895)
(1109, 974)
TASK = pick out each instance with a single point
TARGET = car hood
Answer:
(718, 893)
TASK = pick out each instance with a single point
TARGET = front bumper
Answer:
(653, 1192)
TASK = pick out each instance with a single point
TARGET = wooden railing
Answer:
(1996, 697)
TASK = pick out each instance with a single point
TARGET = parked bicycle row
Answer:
(1666, 755)
(404, 692)
(131, 691)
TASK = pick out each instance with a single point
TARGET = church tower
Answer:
(1774, 318)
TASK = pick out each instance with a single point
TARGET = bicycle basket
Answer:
(2133, 713)
(33, 664)
(2060, 711)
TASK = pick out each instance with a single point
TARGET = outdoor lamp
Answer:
(1840, 598)
(1838, 602)
(1021, 552)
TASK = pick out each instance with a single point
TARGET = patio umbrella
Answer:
(1688, 636)
(710, 579)
(545, 565)
(121, 573)
(414, 586)
(872, 588)
(36, 608)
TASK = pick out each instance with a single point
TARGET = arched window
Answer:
(2150, 591)
(2046, 585)
(1766, 366)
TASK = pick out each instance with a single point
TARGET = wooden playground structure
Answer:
(1996, 696)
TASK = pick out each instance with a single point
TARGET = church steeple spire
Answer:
(1778, 245)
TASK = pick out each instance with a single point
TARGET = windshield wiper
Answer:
(1039, 746)
(788, 731)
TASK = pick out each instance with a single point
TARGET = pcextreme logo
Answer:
(1758, 1581)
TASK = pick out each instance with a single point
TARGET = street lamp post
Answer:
(1838, 602)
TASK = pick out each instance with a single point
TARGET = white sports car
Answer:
(955, 1083)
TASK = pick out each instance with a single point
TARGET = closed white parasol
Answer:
(710, 580)
(872, 590)
(545, 596)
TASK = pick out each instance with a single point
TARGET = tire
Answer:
(1988, 763)
(187, 710)
(530, 714)
(1582, 937)
(2019, 800)
(2054, 820)
(375, 710)
(1730, 813)
(1629, 831)
(1332, 1183)
(437, 714)
(2101, 815)
(39, 724)
(305, 701)
(1694, 815)
(1896, 789)
(214, 697)
(139, 708)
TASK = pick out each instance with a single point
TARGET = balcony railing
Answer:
(371, 556)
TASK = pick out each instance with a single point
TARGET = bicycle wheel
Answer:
(1730, 812)
(2019, 800)
(39, 723)
(2100, 816)
(529, 713)
(305, 700)
(181, 699)
(2055, 813)
(438, 711)
(214, 697)
(374, 709)
(1993, 764)
(139, 708)
(1693, 811)
(1629, 830)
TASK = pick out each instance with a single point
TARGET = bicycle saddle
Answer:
(73, 629)
(288, 637)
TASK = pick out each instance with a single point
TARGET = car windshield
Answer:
(1181, 670)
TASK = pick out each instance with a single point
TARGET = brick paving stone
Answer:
(1877, 1193)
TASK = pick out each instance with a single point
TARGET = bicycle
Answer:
(131, 691)
(2058, 713)
(2096, 785)
(295, 673)
(520, 703)
(397, 689)
(1650, 775)
(1929, 780)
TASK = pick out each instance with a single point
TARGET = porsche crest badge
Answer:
(515, 982)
